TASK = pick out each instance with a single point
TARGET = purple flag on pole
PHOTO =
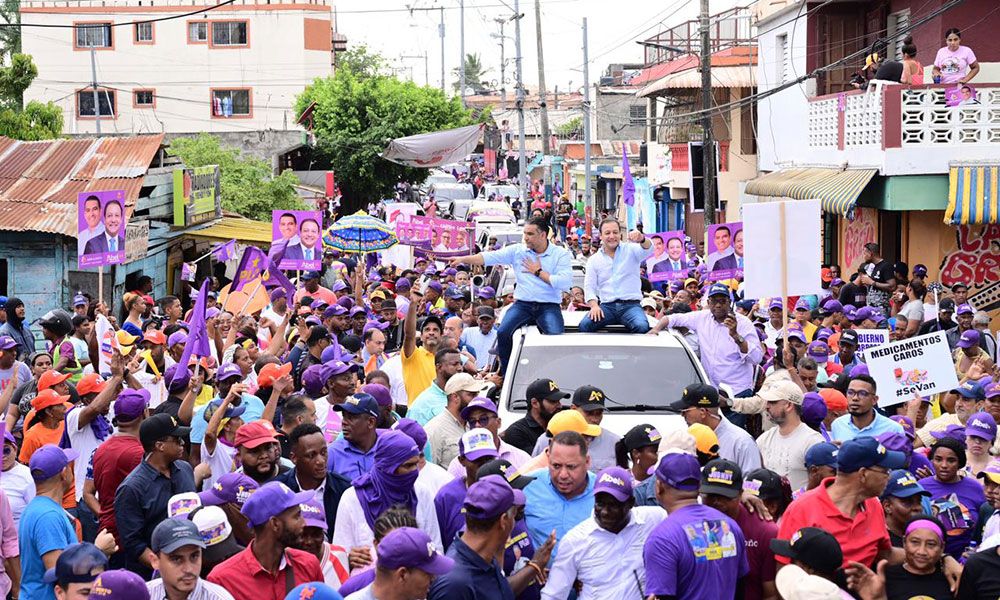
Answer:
(628, 185)
(224, 252)
(273, 277)
(251, 267)
(197, 343)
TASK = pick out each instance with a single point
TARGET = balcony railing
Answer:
(680, 161)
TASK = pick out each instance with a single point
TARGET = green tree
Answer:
(10, 37)
(363, 62)
(573, 126)
(37, 120)
(354, 119)
(247, 184)
(474, 72)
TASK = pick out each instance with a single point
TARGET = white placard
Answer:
(921, 364)
(871, 338)
(803, 248)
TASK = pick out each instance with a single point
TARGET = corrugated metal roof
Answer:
(39, 181)
(722, 77)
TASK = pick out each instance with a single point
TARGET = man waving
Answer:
(611, 286)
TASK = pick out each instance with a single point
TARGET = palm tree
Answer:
(474, 72)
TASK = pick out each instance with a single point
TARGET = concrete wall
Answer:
(612, 110)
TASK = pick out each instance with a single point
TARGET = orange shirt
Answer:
(35, 438)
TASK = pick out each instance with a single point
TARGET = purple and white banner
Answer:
(724, 251)
(295, 236)
(436, 238)
(101, 228)
(668, 260)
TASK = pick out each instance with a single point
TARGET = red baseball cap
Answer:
(251, 435)
(154, 336)
(47, 398)
(91, 383)
(51, 378)
(271, 372)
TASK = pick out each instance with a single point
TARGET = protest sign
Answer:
(296, 233)
(921, 365)
(782, 262)
(871, 338)
(724, 251)
(667, 262)
(435, 238)
(136, 240)
(101, 228)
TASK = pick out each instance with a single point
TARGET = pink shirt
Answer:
(8, 542)
(954, 65)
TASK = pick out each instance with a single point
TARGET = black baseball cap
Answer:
(157, 427)
(699, 395)
(503, 468)
(641, 436)
(317, 333)
(172, 534)
(722, 477)
(588, 397)
(544, 389)
(947, 304)
(764, 483)
(850, 337)
(814, 547)
(431, 319)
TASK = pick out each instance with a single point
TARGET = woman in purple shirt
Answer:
(955, 499)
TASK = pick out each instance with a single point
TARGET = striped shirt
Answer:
(203, 590)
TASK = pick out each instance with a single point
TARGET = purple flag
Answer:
(197, 343)
(273, 277)
(251, 267)
(628, 185)
(224, 252)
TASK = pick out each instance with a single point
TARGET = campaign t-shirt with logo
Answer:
(956, 505)
(954, 65)
(17, 374)
(696, 553)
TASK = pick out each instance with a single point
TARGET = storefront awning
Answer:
(836, 190)
(972, 195)
(228, 228)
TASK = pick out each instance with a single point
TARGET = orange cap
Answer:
(271, 372)
(834, 399)
(154, 336)
(91, 383)
(47, 398)
(51, 378)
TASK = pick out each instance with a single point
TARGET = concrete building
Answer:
(235, 68)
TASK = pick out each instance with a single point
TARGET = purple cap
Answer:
(797, 333)
(814, 408)
(319, 303)
(177, 337)
(823, 334)
(270, 500)
(615, 481)
(436, 286)
(819, 351)
(479, 402)
(8, 436)
(130, 404)
(490, 497)
(330, 352)
(231, 487)
(802, 304)
(982, 425)
(212, 312)
(431, 269)
(276, 293)
(964, 309)
(313, 591)
(477, 443)
(486, 292)
(893, 440)
(314, 514)
(313, 320)
(907, 424)
(118, 584)
(993, 390)
(411, 548)
(450, 272)
(859, 369)
(379, 392)
(227, 370)
(338, 286)
(359, 404)
(676, 285)
(345, 301)
(313, 379)
(955, 432)
(402, 283)
(679, 470)
(7, 342)
(334, 310)
(49, 461)
(79, 300)
(850, 312)
(775, 304)
(832, 306)
(969, 339)
(375, 325)
(336, 367)
(358, 310)
(836, 281)
(176, 382)
(413, 430)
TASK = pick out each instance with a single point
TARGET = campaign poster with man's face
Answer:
(667, 262)
(724, 251)
(298, 234)
(101, 228)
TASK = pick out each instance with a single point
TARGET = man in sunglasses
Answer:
(862, 419)
(482, 413)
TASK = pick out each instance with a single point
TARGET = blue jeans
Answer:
(562, 233)
(545, 315)
(619, 312)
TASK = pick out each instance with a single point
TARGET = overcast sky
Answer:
(614, 25)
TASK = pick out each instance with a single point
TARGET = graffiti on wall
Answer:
(862, 230)
(975, 261)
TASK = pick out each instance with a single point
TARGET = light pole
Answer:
(521, 166)
(503, 63)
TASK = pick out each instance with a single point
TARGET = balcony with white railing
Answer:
(903, 130)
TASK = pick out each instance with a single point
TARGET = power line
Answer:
(122, 24)
(447, 8)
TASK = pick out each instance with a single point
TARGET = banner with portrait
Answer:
(724, 251)
(101, 228)
(668, 260)
(296, 238)
(436, 238)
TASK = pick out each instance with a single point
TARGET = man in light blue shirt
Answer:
(481, 339)
(611, 286)
(562, 496)
(543, 271)
(227, 376)
(862, 419)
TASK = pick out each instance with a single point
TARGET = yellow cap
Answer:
(572, 420)
(705, 439)
(124, 340)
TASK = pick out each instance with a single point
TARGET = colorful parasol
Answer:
(360, 232)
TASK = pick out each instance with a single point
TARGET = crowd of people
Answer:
(346, 441)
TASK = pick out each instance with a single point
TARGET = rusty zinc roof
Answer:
(40, 181)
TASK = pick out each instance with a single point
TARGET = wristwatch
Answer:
(740, 339)
(537, 272)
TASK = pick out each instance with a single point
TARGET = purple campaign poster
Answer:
(101, 228)
(298, 234)
(961, 95)
(668, 260)
(436, 238)
(724, 251)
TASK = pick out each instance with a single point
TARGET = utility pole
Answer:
(503, 82)
(427, 71)
(521, 166)
(461, 44)
(441, 34)
(708, 140)
(97, 103)
(541, 80)
(586, 120)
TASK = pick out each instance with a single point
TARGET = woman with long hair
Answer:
(637, 450)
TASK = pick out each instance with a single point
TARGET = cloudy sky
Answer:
(614, 25)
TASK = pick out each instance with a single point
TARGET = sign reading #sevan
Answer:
(920, 365)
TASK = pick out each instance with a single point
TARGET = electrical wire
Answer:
(122, 24)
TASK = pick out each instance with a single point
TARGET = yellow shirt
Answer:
(418, 372)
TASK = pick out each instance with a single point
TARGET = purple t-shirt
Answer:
(954, 65)
(758, 535)
(519, 551)
(957, 506)
(448, 506)
(696, 553)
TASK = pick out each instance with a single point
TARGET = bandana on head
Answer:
(381, 488)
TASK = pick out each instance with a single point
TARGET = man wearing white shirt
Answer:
(604, 553)
(612, 287)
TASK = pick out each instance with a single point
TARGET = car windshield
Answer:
(507, 238)
(439, 179)
(629, 375)
(453, 192)
(500, 191)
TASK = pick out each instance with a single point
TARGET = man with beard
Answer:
(269, 566)
(309, 455)
(258, 450)
(862, 418)
(544, 401)
(784, 447)
(444, 430)
(352, 454)
(177, 547)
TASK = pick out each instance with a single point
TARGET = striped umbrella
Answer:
(360, 232)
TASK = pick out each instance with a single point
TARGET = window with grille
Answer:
(897, 23)
(197, 32)
(783, 59)
(144, 33)
(231, 103)
(143, 97)
(85, 103)
(229, 33)
(97, 35)
(637, 115)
